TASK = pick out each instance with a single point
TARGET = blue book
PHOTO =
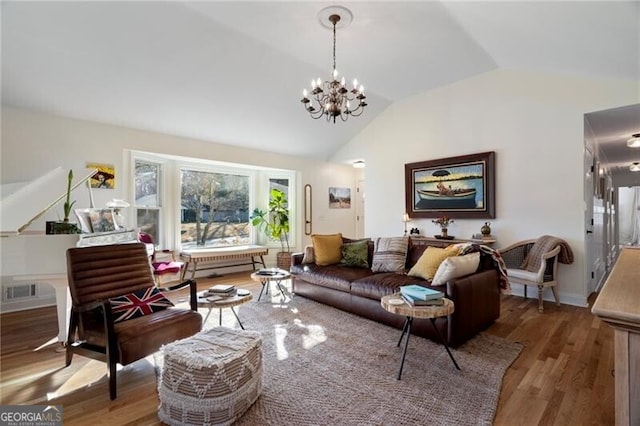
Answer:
(420, 293)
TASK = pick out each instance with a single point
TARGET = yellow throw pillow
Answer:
(327, 248)
(429, 262)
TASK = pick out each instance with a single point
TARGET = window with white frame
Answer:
(147, 197)
(214, 208)
(196, 203)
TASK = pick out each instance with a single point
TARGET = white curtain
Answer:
(629, 215)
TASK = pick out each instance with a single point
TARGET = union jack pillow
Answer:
(139, 303)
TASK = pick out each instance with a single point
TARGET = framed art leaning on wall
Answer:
(456, 187)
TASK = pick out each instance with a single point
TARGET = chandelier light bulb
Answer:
(331, 98)
(304, 93)
(634, 142)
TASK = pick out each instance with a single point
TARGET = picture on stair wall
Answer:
(457, 187)
(339, 198)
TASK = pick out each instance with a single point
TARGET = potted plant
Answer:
(65, 227)
(443, 222)
(274, 223)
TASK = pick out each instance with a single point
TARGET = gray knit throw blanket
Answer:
(543, 245)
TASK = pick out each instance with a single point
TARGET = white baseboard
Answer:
(547, 296)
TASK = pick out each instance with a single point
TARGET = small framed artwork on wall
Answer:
(339, 198)
(104, 177)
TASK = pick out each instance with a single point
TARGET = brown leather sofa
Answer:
(359, 290)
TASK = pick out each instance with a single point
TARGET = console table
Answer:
(617, 305)
(437, 242)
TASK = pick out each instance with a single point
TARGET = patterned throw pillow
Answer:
(429, 262)
(327, 249)
(355, 254)
(390, 254)
(139, 303)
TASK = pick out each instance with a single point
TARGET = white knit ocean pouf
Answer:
(211, 378)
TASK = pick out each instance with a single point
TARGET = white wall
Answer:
(533, 122)
(34, 143)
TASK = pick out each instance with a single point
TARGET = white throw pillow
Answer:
(455, 267)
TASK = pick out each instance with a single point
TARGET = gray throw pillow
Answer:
(390, 254)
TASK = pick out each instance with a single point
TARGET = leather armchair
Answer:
(100, 273)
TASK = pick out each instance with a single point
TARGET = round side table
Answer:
(212, 302)
(265, 276)
(396, 305)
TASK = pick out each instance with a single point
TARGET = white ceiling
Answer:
(233, 72)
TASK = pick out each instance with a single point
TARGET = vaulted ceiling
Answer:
(233, 72)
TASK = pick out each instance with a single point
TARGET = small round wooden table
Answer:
(265, 276)
(391, 303)
(216, 302)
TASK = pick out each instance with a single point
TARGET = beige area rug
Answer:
(323, 366)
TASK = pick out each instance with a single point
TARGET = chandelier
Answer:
(332, 99)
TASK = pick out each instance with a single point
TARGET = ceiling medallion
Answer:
(331, 98)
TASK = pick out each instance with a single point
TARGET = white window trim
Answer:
(170, 193)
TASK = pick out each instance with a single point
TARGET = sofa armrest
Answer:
(296, 258)
(477, 304)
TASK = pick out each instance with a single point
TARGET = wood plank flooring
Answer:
(564, 375)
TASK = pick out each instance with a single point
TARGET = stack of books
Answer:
(222, 290)
(416, 295)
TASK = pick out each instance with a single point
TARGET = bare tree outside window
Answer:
(214, 209)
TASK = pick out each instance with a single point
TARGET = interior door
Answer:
(360, 209)
(589, 249)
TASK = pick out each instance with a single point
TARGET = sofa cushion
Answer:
(429, 262)
(382, 284)
(390, 254)
(456, 267)
(337, 277)
(354, 254)
(327, 248)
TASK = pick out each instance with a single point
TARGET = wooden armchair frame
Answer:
(546, 276)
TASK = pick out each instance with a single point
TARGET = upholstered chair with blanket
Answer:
(118, 314)
(535, 263)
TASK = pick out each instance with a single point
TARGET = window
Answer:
(214, 209)
(186, 203)
(148, 183)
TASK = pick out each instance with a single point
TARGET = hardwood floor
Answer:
(564, 375)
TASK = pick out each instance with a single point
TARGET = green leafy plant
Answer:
(68, 204)
(274, 223)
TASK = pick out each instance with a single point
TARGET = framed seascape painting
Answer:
(456, 187)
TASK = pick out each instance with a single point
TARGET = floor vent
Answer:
(24, 291)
